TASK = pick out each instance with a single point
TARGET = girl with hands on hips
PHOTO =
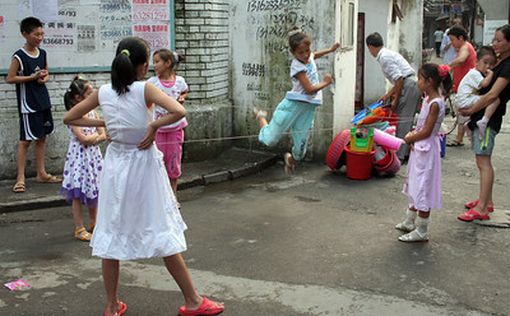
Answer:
(137, 216)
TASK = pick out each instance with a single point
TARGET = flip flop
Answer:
(19, 187)
(207, 308)
(455, 144)
(472, 215)
(122, 309)
(472, 204)
(49, 179)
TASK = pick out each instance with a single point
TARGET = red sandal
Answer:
(472, 215)
(472, 204)
(207, 308)
(122, 308)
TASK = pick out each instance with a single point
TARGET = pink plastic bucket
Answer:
(386, 140)
(389, 164)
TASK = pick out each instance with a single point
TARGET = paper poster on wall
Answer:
(115, 20)
(46, 10)
(59, 35)
(150, 18)
(156, 35)
(85, 33)
(86, 39)
(150, 10)
(24, 9)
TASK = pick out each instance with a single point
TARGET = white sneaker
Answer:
(405, 226)
(414, 236)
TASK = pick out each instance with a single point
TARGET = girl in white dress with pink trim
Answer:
(423, 182)
(137, 214)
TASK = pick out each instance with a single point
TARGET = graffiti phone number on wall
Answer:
(270, 5)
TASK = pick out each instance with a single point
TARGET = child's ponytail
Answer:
(131, 53)
(77, 88)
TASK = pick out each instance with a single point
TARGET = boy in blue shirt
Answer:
(29, 71)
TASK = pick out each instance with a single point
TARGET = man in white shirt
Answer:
(404, 94)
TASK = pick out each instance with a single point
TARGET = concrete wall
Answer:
(345, 70)
(411, 31)
(403, 36)
(377, 19)
(260, 61)
(495, 10)
(202, 35)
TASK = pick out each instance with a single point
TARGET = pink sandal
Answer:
(472, 215)
(207, 308)
(472, 204)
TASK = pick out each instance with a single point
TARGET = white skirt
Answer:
(137, 214)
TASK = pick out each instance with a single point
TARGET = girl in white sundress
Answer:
(137, 213)
(423, 183)
(83, 162)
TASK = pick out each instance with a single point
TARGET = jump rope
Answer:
(310, 132)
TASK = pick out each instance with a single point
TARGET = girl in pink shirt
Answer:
(169, 139)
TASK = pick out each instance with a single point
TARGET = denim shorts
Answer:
(483, 146)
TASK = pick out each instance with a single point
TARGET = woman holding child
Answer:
(499, 88)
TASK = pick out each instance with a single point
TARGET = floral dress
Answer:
(82, 167)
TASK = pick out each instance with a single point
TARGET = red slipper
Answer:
(472, 215)
(207, 308)
(122, 309)
(472, 204)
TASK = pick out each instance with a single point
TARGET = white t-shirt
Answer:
(298, 92)
(393, 65)
(438, 36)
(448, 54)
(173, 89)
(468, 90)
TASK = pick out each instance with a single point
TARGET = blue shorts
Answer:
(290, 115)
(483, 146)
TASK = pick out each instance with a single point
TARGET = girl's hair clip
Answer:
(176, 57)
(125, 52)
(443, 70)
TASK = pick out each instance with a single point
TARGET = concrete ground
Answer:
(315, 243)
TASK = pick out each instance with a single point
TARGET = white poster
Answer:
(489, 28)
(46, 10)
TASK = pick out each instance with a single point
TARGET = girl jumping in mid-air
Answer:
(169, 138)
(423, 183)
(83, 162)
(137, 213)
(296, 112)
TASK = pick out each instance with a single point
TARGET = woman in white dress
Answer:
(137, 213)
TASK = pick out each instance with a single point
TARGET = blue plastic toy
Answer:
(366, 112)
